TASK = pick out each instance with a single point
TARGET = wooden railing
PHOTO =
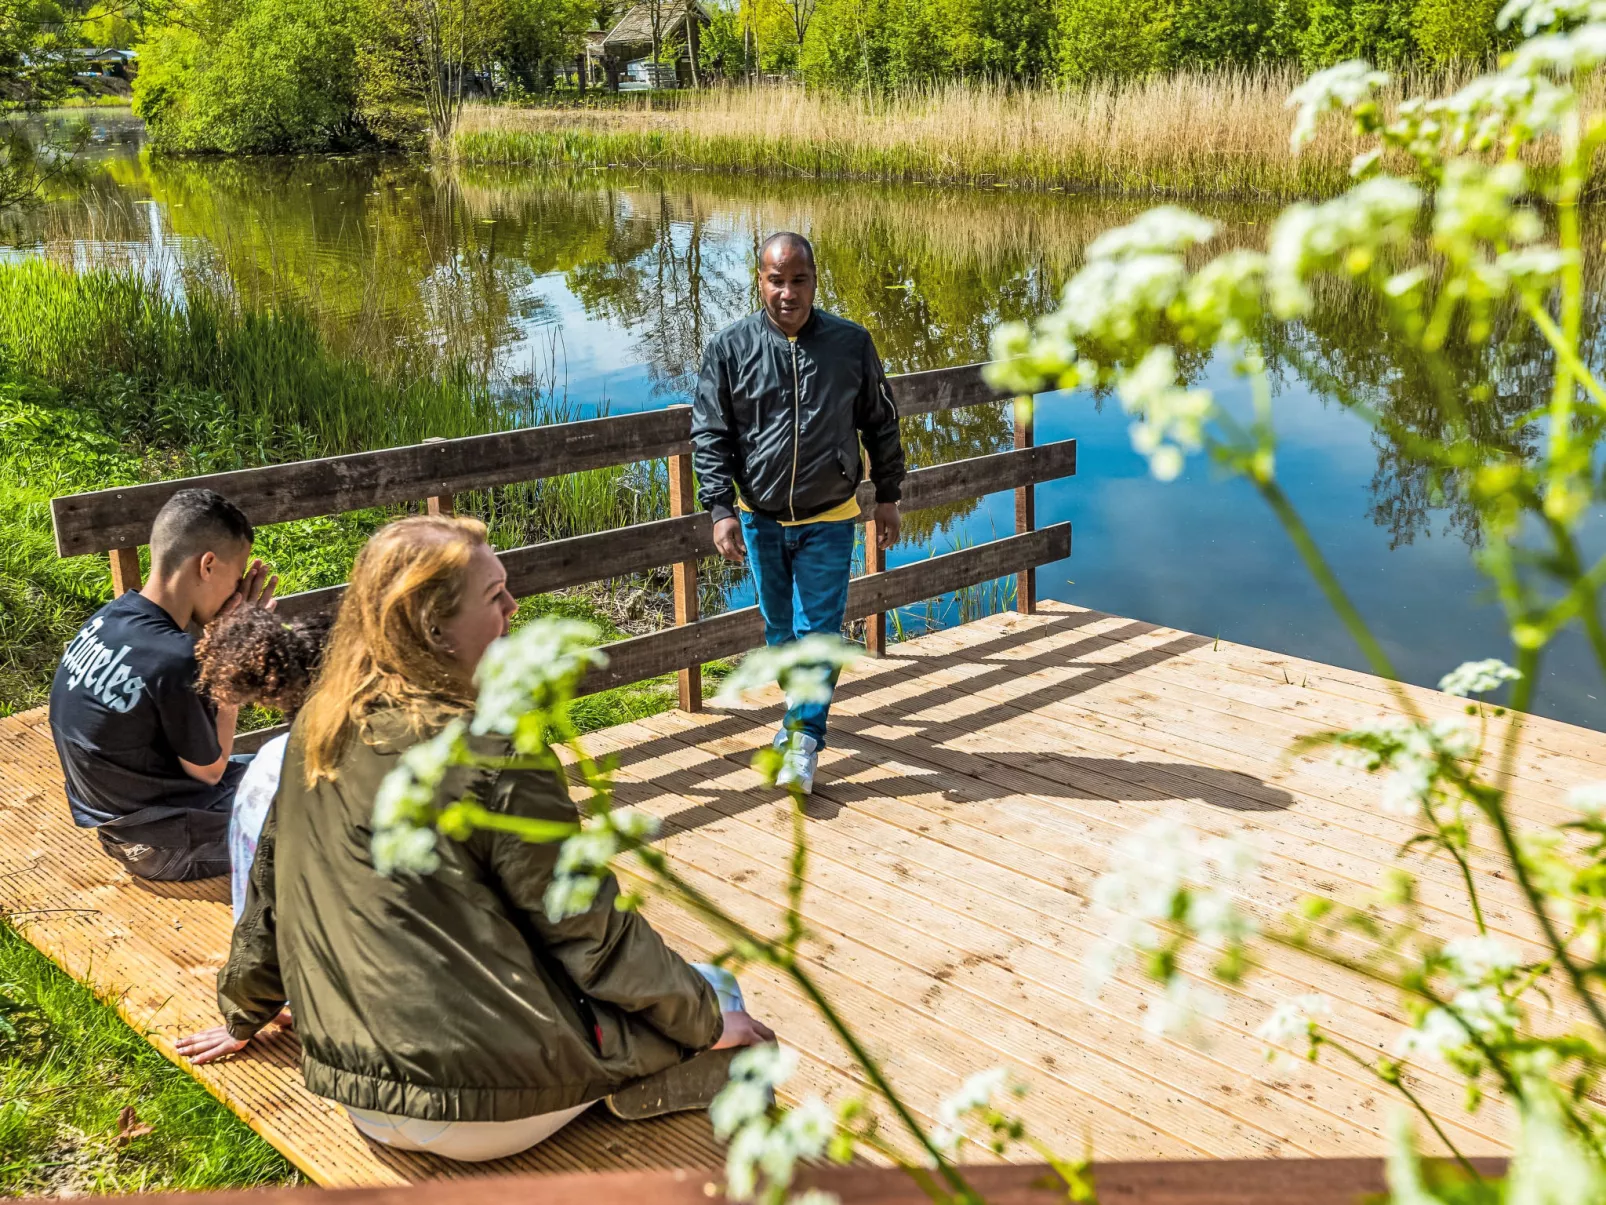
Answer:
(117, 521)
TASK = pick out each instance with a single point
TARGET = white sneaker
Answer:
(802, 758)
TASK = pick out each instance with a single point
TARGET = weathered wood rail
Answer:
(118, 521)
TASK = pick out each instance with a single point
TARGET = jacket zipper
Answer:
(797, 430)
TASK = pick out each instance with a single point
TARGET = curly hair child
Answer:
(252, 656)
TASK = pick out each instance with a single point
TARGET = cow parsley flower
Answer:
(1477, 677)
(1478, 961)
(1416, 756)
(1170, 419)
(404, 849)
(805, 666)
(1307, 239)
(1589, 797)
(537, 667)
(1561, 54)
(1446, 1033)
(1477, 203)
(974, 1095)
(403, 839)
(1294, 1024)
(758, 1143)
(1164, 230)
(1536, 15)
(1338, 88)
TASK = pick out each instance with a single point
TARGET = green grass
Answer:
(69, 1066)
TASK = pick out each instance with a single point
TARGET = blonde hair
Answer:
(385, 648)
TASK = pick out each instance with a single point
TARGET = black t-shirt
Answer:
(124, 709)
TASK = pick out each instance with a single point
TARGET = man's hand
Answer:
(888, 523)
(201, 1048)
(255, 590)
(728, 540)
(742, 1030)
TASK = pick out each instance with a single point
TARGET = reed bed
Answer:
(1223, 134)
(1220, 134)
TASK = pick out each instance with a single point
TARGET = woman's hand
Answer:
(209, 1044)
(742, 1030)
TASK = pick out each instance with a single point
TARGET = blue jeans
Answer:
(801, 577)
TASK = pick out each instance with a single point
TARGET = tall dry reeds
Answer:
(1220, 134)
(1223, 134)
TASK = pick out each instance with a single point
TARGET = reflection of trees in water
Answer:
(404, 264)
(1345, 351)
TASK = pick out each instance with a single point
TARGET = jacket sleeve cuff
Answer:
(721, 510)
(888, 491)
(243, 1031)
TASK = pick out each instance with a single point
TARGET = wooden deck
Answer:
(976, 781)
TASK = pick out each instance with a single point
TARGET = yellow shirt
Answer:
(840, 513)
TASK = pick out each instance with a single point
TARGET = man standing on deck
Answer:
(784, 398)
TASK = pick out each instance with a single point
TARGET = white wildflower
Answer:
(1170, 419)
(802, 661)
(1376, 213)
(1589, 797)
(974, 1094)
(1477, 677)
(1415, 755)
(1165, 230)
(1580, 50)
(532, 669)
(1476, 203)
(1109, 301)
(1535, 15)
(1228, 290)
(1475, 961)
(1294, 1022)
(741, 1113)
(1181, 1011)
(1403, 1169)
(815, 1196)
(1533, 267)
(1550, 1166)
(1338, 88)
(404, 849)
(1445, 1033)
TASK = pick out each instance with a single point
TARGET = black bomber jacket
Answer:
(781, 420)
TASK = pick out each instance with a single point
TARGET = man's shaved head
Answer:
(784, 241)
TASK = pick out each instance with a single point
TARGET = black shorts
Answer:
(192, 843)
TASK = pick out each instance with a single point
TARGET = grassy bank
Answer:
(1218, 135)
(106, 380)
(1221, 134)
(69, 1067)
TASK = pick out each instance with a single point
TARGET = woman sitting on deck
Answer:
(446, 1012)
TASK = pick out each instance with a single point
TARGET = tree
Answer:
(252, 77)
(36, 39)
(1449, 31)
(533, 35)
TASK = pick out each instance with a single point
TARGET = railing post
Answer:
(682, 501)
(875, 561)
(1025, 511)
(439, 504)
(125, 571)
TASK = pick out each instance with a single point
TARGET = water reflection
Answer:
(609, 284)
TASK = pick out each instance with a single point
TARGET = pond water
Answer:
(606, 285)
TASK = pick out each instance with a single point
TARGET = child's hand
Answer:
(255, 590)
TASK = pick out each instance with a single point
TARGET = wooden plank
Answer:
(942, 389)
(1161, 1182)
(125, 570)
(738, 631)
(1025, 510)
(106, 519)
(875, 561)
(682, 502)
(439, 504)
(540, 568)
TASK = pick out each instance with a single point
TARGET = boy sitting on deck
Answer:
(146, 759)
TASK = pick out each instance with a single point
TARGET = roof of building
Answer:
(635, 27)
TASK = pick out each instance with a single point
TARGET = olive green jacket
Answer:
(449, 996)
